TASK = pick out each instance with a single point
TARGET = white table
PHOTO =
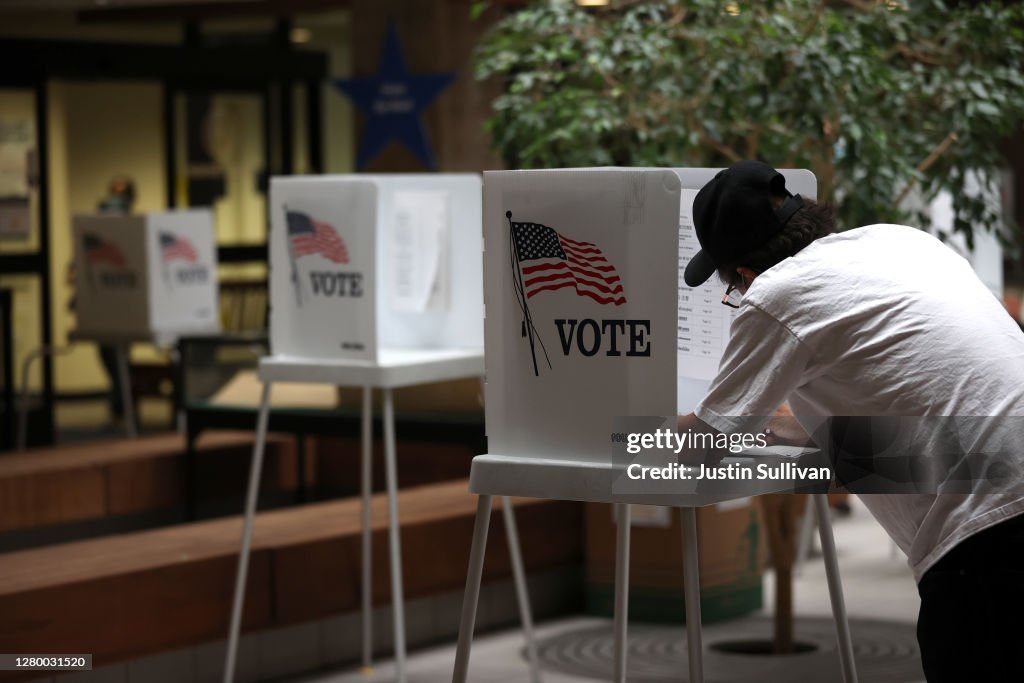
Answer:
(396, 368)
(592, 481)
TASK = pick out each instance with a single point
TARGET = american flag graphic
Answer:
(99, 250)
(174, 248)
(550, 261)
(309, 236)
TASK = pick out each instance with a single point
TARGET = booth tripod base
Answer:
(691, 593)
(394, 543)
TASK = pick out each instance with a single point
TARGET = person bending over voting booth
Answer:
(900, 363)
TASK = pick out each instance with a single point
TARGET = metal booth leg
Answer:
(21, 441)
(806, 538)
(366, 488)
(621, 609)
(472, 597)
(835, 588)
(394, 540)
(191, 497)
(691, 590)
(255, 469)
(131, 427)
(522, 593)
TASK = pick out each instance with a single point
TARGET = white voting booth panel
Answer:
(703, 321)
(147, 274)
(588, 320)
(987, 256)
(587, 315)
(578, 269)
(365, 263)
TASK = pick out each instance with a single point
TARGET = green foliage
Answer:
(872, 96)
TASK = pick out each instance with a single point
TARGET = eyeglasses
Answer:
(733, 296)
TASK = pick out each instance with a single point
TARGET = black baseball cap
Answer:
(733, 216)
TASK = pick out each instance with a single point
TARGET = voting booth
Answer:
(364, 263)
(376, 282)
(145, 276)
(588, 318)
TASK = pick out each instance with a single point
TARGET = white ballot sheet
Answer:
(419, 235)
(703, 320)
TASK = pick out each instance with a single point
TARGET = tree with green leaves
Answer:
(879, 99)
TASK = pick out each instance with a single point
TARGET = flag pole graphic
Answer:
(528, 328)
(291, 258)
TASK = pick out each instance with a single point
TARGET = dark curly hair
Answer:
(812, 222)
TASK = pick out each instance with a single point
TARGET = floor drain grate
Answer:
(885, 651)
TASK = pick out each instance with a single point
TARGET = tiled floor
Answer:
(878, 587)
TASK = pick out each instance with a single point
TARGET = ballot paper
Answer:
(703, 321)
(419, 239)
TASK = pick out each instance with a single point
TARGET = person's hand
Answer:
(699, 455)
(784, 430)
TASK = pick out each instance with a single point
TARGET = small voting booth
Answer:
(145, 276)
(365, 263)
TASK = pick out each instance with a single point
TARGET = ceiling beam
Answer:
(197, 11)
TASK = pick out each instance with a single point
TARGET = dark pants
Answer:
(971, 625)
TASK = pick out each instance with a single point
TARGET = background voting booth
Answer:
(365, 267)
(987, 255)
(376, 282)
(146, 277)
(581, 329)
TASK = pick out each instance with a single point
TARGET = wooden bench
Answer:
(130, 595)
(96, 480)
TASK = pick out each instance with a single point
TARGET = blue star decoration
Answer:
(393, 101)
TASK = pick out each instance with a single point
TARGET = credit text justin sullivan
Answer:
(732, 471)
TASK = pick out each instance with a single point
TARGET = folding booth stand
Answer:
(142, 278)
(376, 282)
(581, 330)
